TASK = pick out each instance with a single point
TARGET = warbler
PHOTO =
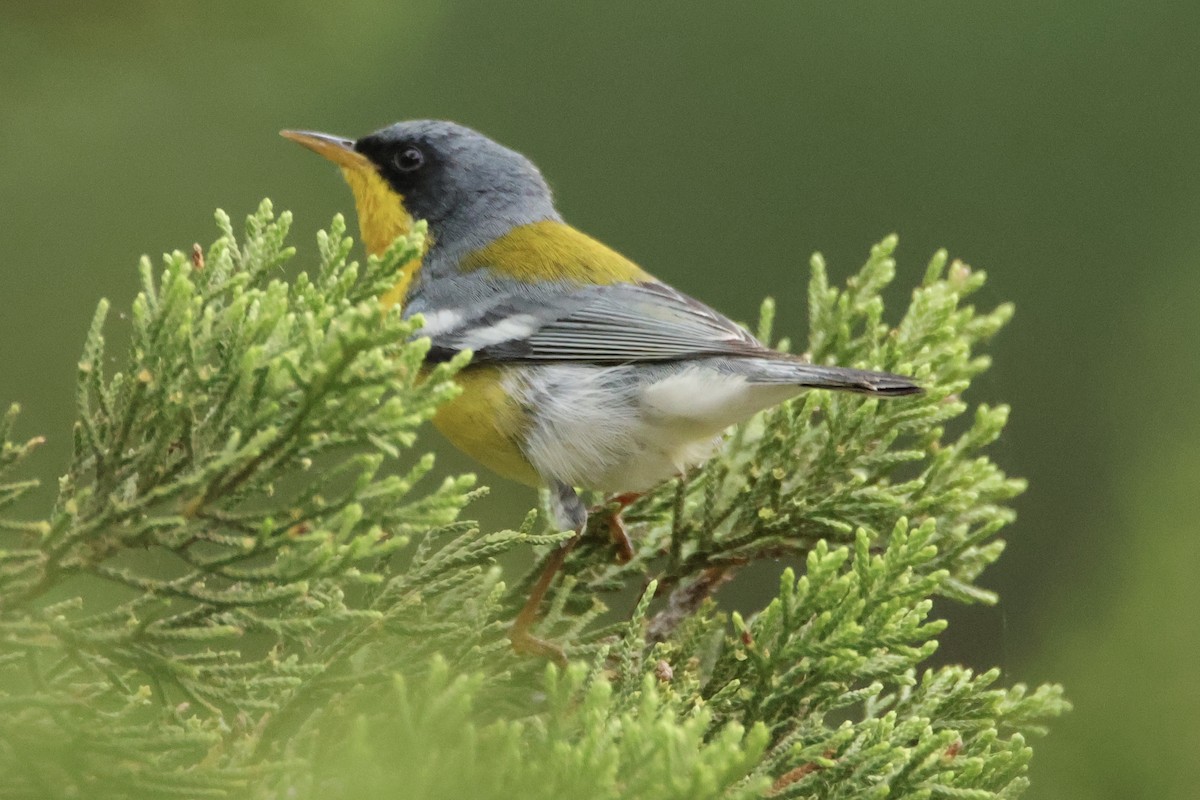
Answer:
(587, 371)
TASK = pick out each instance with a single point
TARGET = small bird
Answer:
(587, 371)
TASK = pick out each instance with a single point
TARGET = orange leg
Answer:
(616, 526)
(569, 512)
(523, 641)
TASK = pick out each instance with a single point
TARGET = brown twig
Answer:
(685, 599)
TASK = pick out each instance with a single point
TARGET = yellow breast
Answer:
(486, 423)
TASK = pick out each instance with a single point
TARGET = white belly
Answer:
(628, 428)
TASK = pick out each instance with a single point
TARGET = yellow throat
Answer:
(382, 216)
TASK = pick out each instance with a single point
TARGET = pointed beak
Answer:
(335, 148)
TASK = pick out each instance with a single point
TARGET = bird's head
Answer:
(469, 189)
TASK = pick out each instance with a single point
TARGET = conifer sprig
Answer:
(249, 585)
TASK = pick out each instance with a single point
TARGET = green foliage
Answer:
(583, 742)
(249, 587)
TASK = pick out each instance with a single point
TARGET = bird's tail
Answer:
(815, 376)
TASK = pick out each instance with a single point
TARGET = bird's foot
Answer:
(527, 644)
(570, 509)
(617, 532)
(520, 634)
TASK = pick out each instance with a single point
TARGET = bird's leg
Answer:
(570, 512)
(616, 525)
(519, 634)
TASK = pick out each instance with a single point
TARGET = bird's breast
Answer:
(487, 422)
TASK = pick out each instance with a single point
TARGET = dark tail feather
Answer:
(884, 384)
(815, 376)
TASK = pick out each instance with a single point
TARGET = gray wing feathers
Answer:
(645, 322)
(599, 324)
(626, 323)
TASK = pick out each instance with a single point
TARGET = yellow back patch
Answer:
(550, 250)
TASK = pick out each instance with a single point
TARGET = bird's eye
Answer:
(409, 159)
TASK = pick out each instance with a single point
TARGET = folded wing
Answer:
(610, 324)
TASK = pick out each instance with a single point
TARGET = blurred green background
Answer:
(1054, 144)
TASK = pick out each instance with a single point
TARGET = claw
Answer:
(527, 644)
